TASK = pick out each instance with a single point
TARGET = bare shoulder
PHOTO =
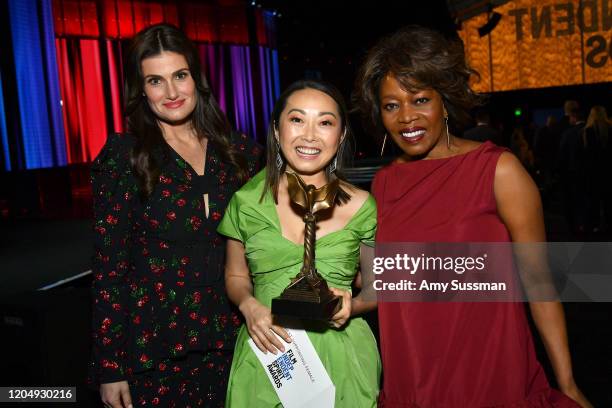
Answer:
(518, 200)
(509, 166)
(512, 181)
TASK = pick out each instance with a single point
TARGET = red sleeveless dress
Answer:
(453, 354)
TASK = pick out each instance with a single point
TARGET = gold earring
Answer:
(448, 142)
(383, 145)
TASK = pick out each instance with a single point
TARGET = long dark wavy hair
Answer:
(345, 149)
(420, 58)
(208, 120)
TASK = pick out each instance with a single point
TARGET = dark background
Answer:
(329, 40)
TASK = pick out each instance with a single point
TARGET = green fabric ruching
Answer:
(350, 354)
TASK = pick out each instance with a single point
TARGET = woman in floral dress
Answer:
(163, 330)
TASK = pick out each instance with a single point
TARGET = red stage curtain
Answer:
(83, 103)
(90, 38)
(114, 57)
(218, 21)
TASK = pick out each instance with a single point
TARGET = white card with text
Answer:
(298, 375)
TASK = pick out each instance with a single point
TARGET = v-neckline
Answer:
(280, 228)
(206, 155)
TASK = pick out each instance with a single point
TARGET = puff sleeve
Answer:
(367, 228)
(229, 225)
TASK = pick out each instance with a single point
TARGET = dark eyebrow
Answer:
(173, 74)
(388, 96)
(180, 70)
(328, 113)
(304, 112)
(297, 110)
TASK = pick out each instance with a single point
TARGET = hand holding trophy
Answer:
(308, 296)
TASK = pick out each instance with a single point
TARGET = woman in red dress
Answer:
(412, 87)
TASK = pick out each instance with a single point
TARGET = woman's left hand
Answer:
(339, 319)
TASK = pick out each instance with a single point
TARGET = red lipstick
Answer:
(174, 104)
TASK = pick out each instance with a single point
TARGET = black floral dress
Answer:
(161, 319)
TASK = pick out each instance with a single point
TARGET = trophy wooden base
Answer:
(305, 300)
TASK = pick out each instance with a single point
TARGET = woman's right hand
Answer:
(116, 394)
(574, 393)
(259, 323)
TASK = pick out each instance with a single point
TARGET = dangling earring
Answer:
(448, 143)
(279, 157)
(383, 145)
(334, 165)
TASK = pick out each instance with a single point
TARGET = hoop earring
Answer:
(383, 145)
(279, 157)
(448, 141)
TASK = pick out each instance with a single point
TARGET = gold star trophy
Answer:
(308, 296)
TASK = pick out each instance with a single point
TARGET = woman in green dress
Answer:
(308, 135)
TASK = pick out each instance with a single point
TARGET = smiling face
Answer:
(415, 120)
(309, 132)
(169, 87)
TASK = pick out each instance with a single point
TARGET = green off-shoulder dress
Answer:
(349, 355)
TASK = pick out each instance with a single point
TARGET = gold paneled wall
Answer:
(542, 43)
